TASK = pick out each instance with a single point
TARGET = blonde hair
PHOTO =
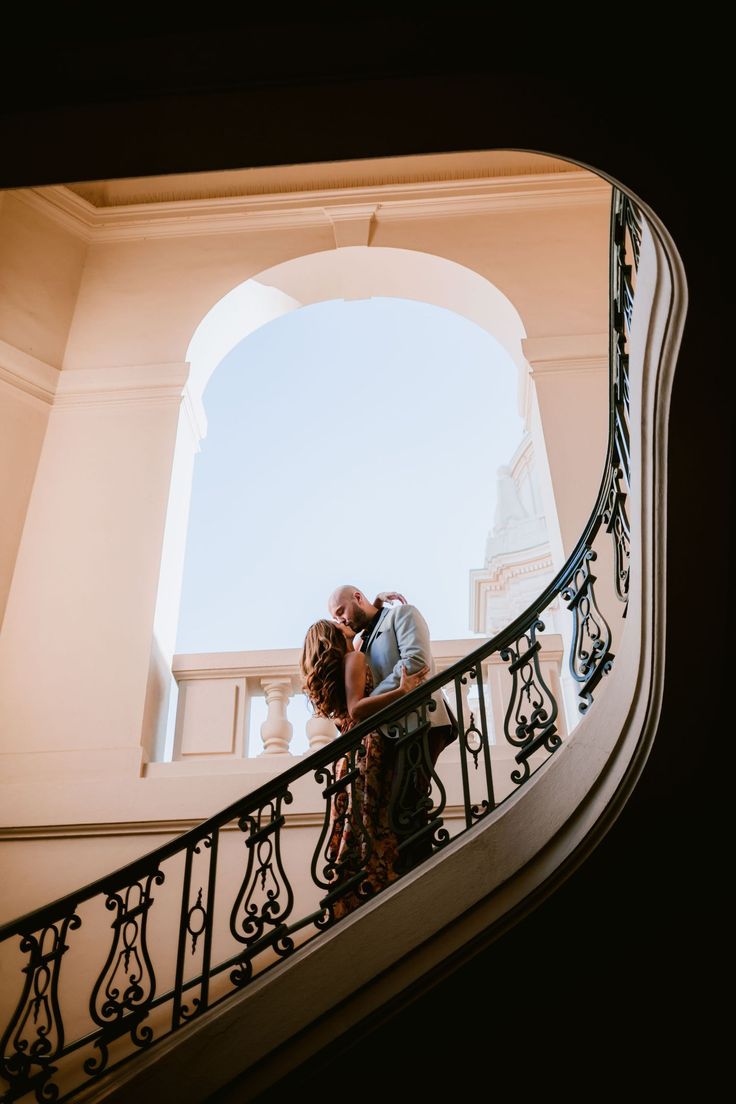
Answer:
(321, 665)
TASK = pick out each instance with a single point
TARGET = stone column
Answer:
(276, 730)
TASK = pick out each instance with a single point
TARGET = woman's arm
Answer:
(360, 706)
(388, 596)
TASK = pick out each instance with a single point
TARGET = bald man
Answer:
(393, 636)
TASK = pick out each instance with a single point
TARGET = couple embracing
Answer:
(367, 657)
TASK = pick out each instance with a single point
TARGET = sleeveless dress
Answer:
(360, 836)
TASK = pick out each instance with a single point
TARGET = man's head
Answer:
(349, 606)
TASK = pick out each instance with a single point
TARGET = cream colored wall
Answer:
(551, 264)
(23, 419)
(40, 270)
(141, 301)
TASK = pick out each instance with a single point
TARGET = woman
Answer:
(337, 681)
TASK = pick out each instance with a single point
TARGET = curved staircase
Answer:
(217, 965)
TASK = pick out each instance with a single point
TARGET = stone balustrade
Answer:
(222, 697)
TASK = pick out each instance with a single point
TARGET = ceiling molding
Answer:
(568, 364)
(140, 382)
(62, 206)
(27, 373)
(320, 209)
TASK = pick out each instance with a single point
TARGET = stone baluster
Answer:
(320, 732)
(276, 730)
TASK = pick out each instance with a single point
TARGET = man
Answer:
(393, 636)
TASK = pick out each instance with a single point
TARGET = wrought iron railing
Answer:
(227, 905)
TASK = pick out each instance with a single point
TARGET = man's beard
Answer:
(359, 620)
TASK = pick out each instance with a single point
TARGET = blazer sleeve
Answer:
(412, 637)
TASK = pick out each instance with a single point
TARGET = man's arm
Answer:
(412, 636)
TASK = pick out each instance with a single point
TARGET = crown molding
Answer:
(62, 206)
(565, 350)
(320, 209)
(150, 383)
(27, 373)
(501, 197)
(569, 364)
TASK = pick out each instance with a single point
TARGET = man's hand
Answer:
(388, 596)
(410, 682)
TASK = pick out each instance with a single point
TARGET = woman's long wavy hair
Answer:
(323, 678)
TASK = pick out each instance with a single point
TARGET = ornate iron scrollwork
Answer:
(632, 219)
(341, 859)
(616, 521)
(530, 718)
(590, 655)
(123, 993)
(127, 982)
(34, 1037)
(418, 796)
(265, 898)
(474, 743)
(195, 924)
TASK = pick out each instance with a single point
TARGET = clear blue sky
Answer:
(348, 442)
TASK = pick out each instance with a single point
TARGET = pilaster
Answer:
(87, 572)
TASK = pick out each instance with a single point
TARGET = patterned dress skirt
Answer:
(362, 848)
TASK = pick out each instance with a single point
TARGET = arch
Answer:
(351, 272)
(348, 273)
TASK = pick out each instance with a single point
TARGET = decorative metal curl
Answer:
(530, 718)
(337, 856)
(202, 922)
(96, 1064)
(195, 923)
(265, 897)
(418, 796)
(242, 973)
(590, 654)
(477, 740)
(341, 860)
(34, 1037)
(127, 982)
(617, 524)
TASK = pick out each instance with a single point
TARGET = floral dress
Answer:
(360, 838)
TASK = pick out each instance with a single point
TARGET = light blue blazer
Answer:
(401, 635)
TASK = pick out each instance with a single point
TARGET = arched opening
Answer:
(350, 274)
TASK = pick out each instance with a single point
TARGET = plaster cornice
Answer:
(297, 210)
(27, 373)
(578, 364)
(62, 206)
(566, 350)
(138, 383)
